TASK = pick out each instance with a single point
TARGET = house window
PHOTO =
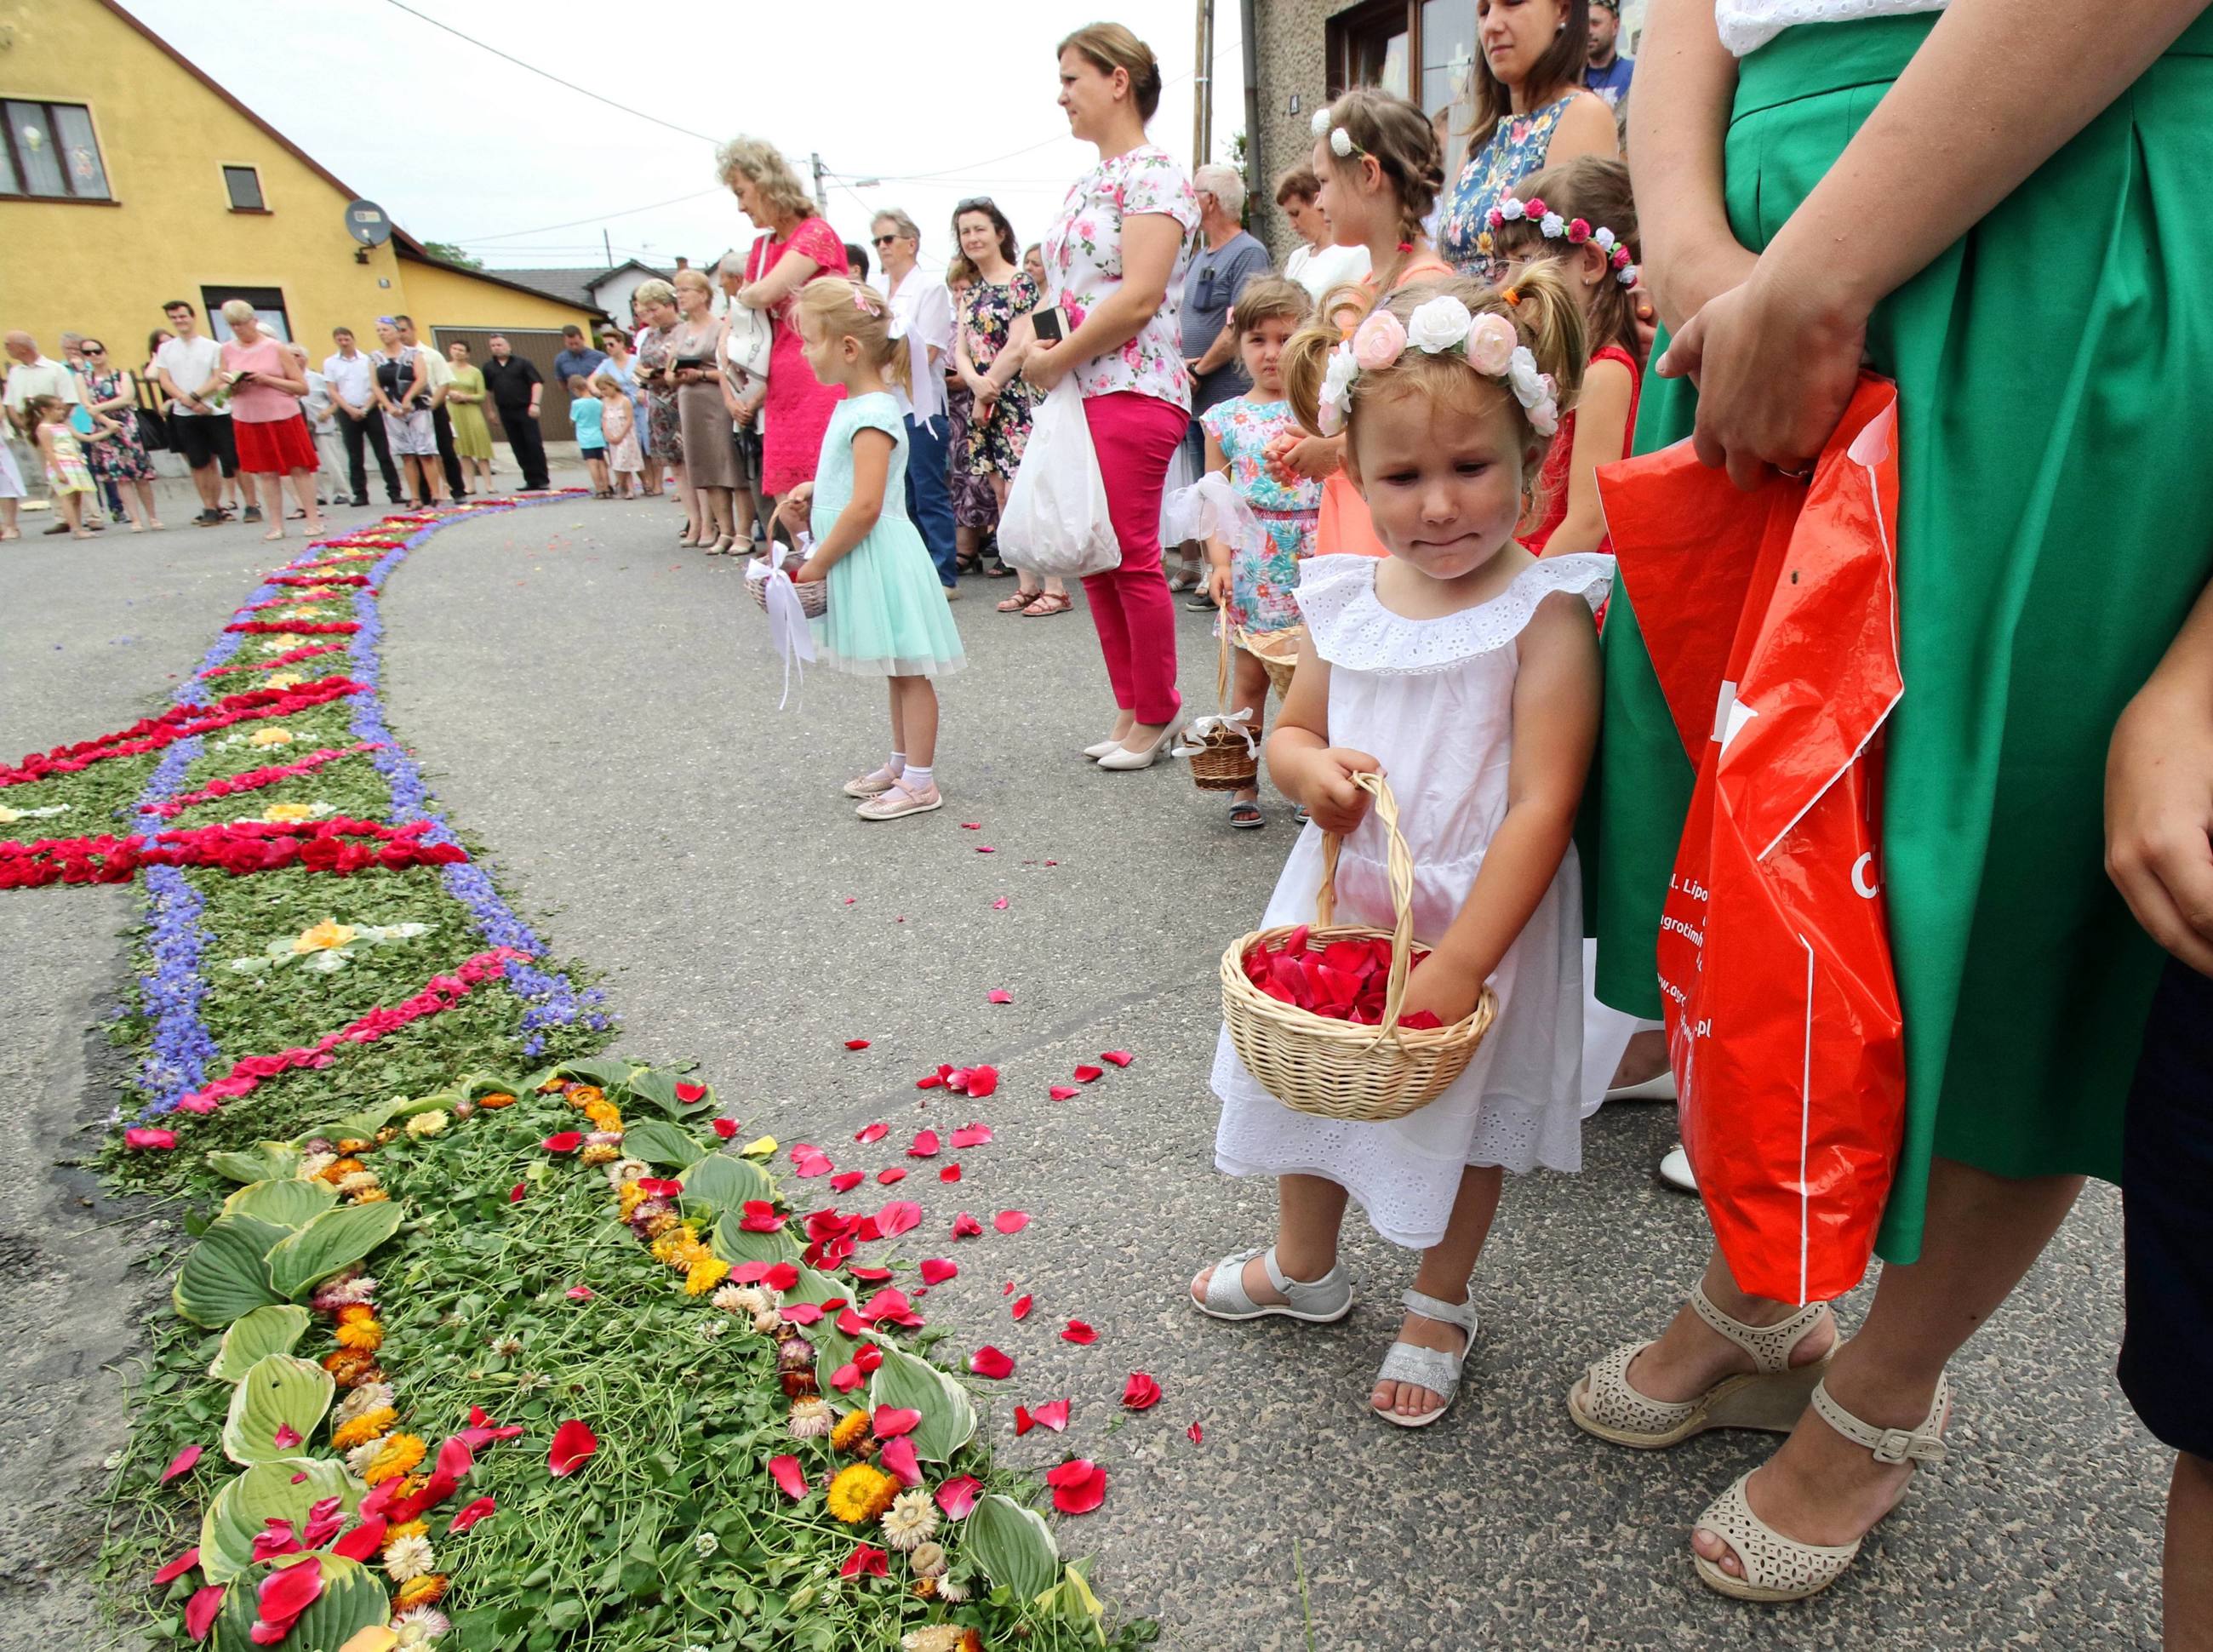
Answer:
(243, 185)
(1370, 45)
(1419, 49)
(50, 151)
(268, 308)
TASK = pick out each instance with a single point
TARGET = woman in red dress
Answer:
(796, 247)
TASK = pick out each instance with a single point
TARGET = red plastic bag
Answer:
(1772, 618)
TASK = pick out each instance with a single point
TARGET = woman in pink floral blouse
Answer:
(1114, 261)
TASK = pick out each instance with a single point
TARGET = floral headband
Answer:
(1575, 231)
(1438, 326)
(1340, 141)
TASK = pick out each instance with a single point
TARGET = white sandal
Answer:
(1313, 1302)
(1428, 1368)
(1779, 1568)
(1771, 1398)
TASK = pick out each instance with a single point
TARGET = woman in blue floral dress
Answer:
(1532, 112)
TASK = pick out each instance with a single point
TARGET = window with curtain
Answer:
(49, 151)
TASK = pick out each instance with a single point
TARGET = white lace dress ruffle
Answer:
(1432, 700)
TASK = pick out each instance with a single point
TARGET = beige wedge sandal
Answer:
(1778, 1568)
(1771, 1398)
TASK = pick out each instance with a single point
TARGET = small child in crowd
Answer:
(887, 615)
(1466, 670)
(1582, 219)
(1257, 588)
(67, 475)
(584, 414)
(625, 460)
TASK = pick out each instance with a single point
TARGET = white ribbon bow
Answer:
(1238, 722)
(789, 631)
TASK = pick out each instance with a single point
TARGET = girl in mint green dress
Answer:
(886, 615)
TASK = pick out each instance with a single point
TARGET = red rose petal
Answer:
(180, 1463)
(972, 826)
(1142, 1392)
(1024, 1421)
(800, 1313)
(900, 1457)
(857, 1044)
(966, 1225)
(872, 1133)
(845, 1378)
(201, 1610)
(177, 1568)
(936, 1270)
(1000, 905)
(998, 995)
(1085, 1072)
(986, 849)
(850, 1324)
(972, 1136)
(1196, 1433)
(951, 1173)
(869, 1358)
(725, 1128)
(887, 1177)
(1053, 1414)
(897, 1216)
(1063, 1093)
(566, 1141)
(957, 1496)
(781, 1275)
(286, 1437)
(930, 1081)
(482, 1509)
(865, 1562)
(846, 1181)
(1079, 1333)
(924, 1145)
(982, 1080)
(787, 1473)
(1011, 1222)
(877, 1274)
(889, 1422)
(1119, 1057)
(1020, 1310)
(807, 1168)
(989, 1362)
(1079, 1485)
(688, 1093)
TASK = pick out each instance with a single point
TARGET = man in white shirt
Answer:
(189, 367)
(437, 378)
(352, 383)
(922, 313)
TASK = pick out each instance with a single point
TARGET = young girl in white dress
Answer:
(1466, 671)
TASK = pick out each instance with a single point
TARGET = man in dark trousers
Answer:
(351, 377)
(516, 389)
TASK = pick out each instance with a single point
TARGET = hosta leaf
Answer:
(662, 1144)
(734, 1245)
(264, 1493)
(949, 1415)
(291, 1204)
(724, 1183)
(225, 1275)
(1013, 1545)
(660, 1089)
(265, 1162)
(334, 1240)
(277, 1393)
(275, 1329)
(353, 1598)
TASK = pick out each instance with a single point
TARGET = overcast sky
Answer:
(940, 100)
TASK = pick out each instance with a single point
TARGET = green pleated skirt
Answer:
(2055, 526)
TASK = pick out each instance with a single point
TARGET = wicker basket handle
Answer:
(1399, 865)
(1222, 666)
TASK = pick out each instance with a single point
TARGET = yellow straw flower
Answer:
(632, 1196)
(362, 1429)
(860, 1493)
(402, 1453)
(704, 1275)
(420, 1592)
(849, 1428)
(365, 1335)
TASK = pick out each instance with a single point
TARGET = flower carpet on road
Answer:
(483, 1338)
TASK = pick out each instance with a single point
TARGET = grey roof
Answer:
(570, 286)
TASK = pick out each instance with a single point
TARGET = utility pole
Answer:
(1202, 120)
(822, 188)
(606, 247)
(1255, 172)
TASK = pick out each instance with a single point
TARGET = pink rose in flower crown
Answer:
(1491, 341)
(1579, 231)
(1534, 209)
(1378, 341)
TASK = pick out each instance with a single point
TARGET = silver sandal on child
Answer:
(1319, 1302)
(1770, 1398)
(1779, 1568)
(1428, 1368)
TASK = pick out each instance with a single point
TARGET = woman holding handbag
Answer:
(1114, 260)
(796, 245)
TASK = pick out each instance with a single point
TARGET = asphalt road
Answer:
(598, 708)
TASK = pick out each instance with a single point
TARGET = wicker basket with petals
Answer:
(813, 596)
(1335, 1069)
(1223, 757)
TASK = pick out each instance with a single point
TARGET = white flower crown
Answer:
(1440, 325)
(1575, 231)
(1340, 141)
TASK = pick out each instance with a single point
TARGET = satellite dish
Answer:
(366, 223)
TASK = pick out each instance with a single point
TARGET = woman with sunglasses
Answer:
(121, 460)
(994, 316)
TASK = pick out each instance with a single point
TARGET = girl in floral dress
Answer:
(120, 459)
(1257, 588)
(67, 477)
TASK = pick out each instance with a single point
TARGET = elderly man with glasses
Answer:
(922, 313)
(1224, 261)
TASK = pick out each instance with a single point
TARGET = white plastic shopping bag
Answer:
(1056, 521)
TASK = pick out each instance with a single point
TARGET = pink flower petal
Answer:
(898, 1456)
(482, 1509)
(725, 1128)
(573, 1443)
(897, 1216)
(950, 1174)
(957, 1496)
(999, 995)
(800, 1313)
(857, 1044)
(972, 826)
(936, 1270)
(1024, 1421)
(972, 1136)
(787, 1473)
(177, 1568)
(1119, 1057)
(989, 1362)
(982, 1080)
(886, 1177)
(889, 1422)
(515, 1194)
(872, 1133)
(966, 1225)
(865, 1562)
(1020, 1310)
(565, 1140)
(1085, 1072)
(180, 1463)
(1053, 1414)
(1079, 1485)
(201, 1610)
(688, 1093)
(580, 1292)
(1063, 1093)
(1142, 1392)
(1079, 1333)
(845, 1378)
(149, 1136)
(924, 1145)
(1000, 905)
(1196, 1433)
(986, 849)
(1011, 1222)
(286, 1436)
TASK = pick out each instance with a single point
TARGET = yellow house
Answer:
(128, 177)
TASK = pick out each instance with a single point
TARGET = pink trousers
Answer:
(1136, 435)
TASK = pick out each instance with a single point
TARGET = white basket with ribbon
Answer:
(788, 607)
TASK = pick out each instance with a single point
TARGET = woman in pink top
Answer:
(265, 388)
(1114, 260)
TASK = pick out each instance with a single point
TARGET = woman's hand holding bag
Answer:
(1056, 523)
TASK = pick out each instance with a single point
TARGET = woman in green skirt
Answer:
(2002, 206)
